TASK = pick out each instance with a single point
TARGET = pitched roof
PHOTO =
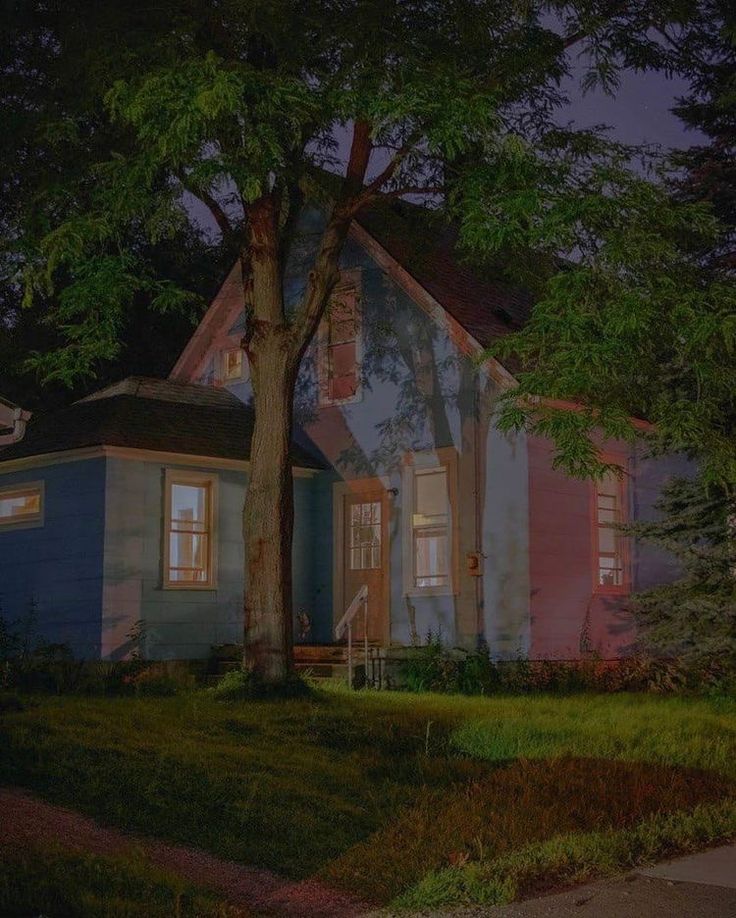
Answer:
(485, 306)
(153, 414)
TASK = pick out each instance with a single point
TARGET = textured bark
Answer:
(269, 509)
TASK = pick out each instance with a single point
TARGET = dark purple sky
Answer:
(640, 112)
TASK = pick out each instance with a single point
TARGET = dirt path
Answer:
(25, 819)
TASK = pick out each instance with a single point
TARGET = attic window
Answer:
(21, 505)
(339, 348)
(232, 364)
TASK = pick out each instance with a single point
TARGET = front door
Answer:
(365, 558)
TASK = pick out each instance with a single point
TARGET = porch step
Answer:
(328, 654)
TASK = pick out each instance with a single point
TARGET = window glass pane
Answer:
(343, 370)
(430, 495)
(189, 506)
(365, 535)
(233, 363)
(431, 557)
(188, 557)
(607, 539)
(19, 504)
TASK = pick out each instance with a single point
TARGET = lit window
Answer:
(430, 524)
(232, 364)
(339, 344)
(189, 555)
(609, 541)
(21, 504)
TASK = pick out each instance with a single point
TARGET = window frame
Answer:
(349, 280)
(199, 480)
(425, 462)
(624, 588)
(28, 521)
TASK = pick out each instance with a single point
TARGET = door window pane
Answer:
(365, 536)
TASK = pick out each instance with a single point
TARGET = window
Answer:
(339, 347)
(431, 527)
(21, 504)
(232, 364)
(610, 543)
(365, 536)
(189, 544)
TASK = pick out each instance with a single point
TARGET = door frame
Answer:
(340, 489)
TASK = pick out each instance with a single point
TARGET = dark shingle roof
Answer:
(486, 307)
(152, 414)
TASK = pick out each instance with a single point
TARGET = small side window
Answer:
(22, 505)
(609, 542)
(232, 364)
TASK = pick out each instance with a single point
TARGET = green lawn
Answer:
(416, 799)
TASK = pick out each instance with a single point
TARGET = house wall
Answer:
(181, 623)
(569, 617)
(54, 571)
(421, 392)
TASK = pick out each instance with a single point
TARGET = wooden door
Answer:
(365, 558)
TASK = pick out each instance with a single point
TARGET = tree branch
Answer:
(218, 213)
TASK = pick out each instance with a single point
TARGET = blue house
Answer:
(126, 506)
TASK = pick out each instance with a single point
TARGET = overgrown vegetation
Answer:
(434, 667)
(427, 791)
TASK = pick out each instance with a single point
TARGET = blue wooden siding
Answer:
(184, 624)
(55, 570)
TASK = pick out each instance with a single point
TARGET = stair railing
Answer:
(346, 623)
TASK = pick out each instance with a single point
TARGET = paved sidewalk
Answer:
(699, 886)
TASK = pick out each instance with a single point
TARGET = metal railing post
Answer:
(365, 635)
(350, 654)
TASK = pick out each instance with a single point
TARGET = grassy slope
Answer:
(300, 786)
(56, 883)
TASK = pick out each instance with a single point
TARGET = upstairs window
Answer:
(21, 504)
(339, 348)
(609, 542)
(232, 364)
(189, 538)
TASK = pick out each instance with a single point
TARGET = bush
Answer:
(434, 668)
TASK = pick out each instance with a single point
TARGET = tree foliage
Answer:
(695, 616)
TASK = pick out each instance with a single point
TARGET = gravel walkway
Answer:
(25, 819)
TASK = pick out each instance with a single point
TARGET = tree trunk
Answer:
(268, 513)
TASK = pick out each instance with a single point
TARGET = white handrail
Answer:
(351, 611)
(346, 622)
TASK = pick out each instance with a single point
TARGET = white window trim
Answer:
(446, 458)
(25, 522)
(349, 280)
(198, 479)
